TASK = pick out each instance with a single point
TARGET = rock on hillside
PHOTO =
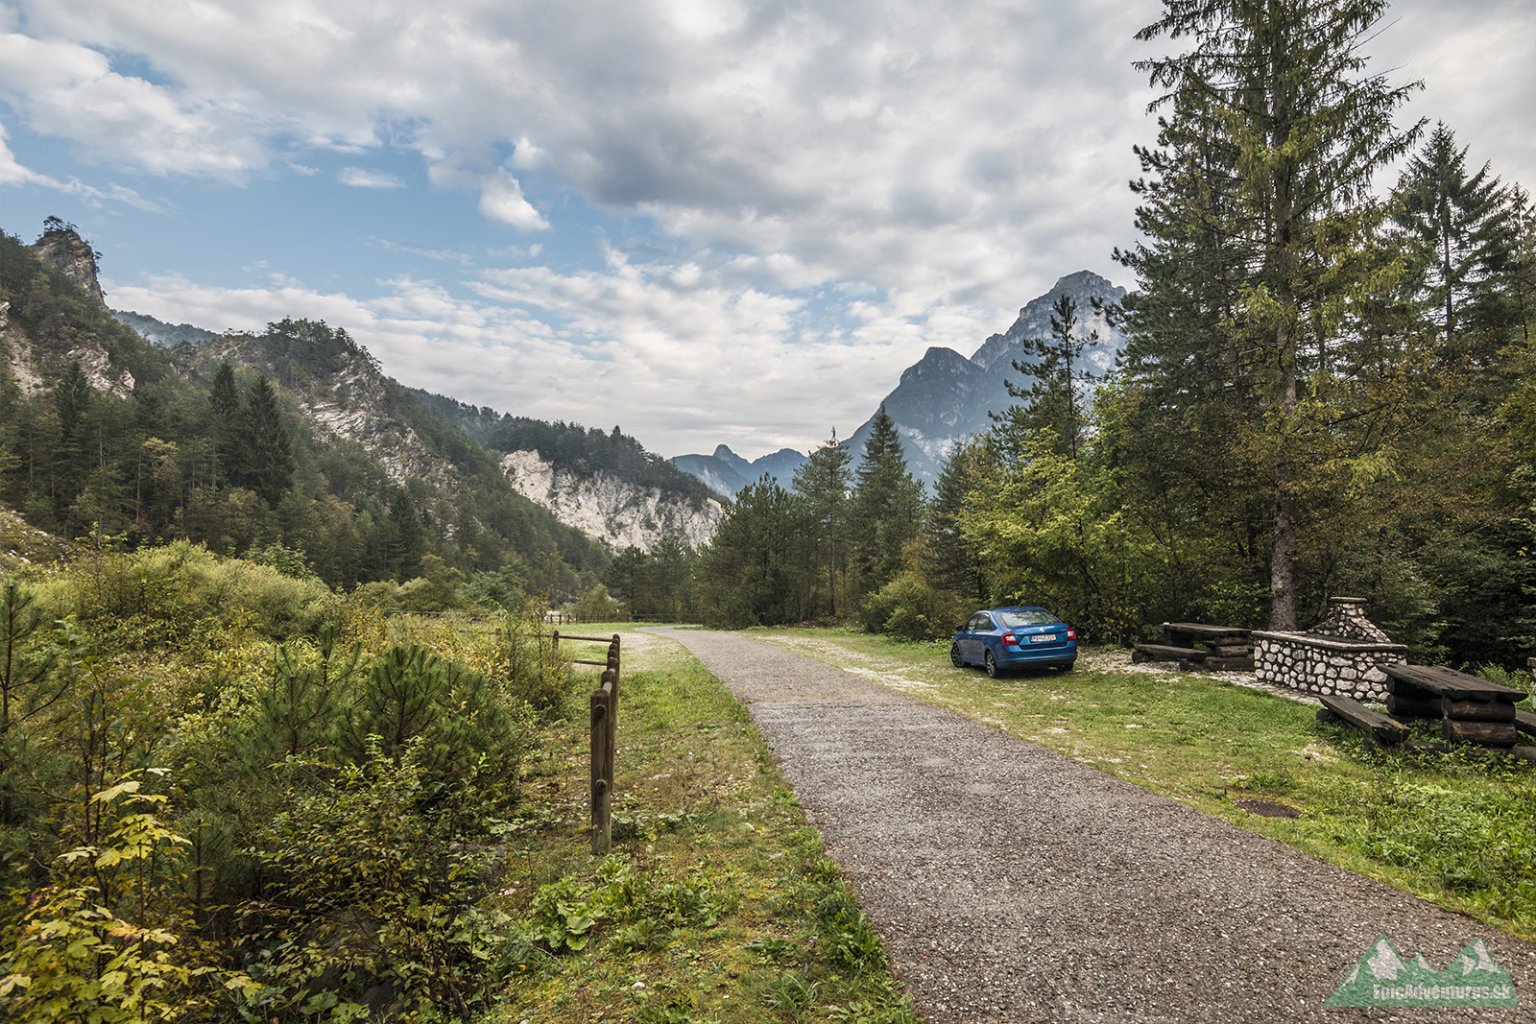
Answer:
(609, 509)
(30, 365)
(340, 386)
(62, 248)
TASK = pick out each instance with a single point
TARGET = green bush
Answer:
(182, 584)
(370, 905)
(458, 725)
(908, 608)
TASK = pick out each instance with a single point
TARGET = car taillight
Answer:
(1071, 633)
(1009, 640)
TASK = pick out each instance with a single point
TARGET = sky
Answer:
(705, 221)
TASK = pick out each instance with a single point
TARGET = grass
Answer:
(717, 903)
(1457, 829)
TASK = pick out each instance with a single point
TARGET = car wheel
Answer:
(991, 664)
(1068, 666)
(954, 656)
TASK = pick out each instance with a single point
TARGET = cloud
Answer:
(14, 174)
(661, 348)
(69, 90)
(961, 154)
(502, 199)
(358, 177)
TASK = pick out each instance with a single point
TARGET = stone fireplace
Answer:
(1344, 654)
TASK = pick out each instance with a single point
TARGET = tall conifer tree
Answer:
(1462, 225)
(887, 505)
(1270, 131)
(823, 481)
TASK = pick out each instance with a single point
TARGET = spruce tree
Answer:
(951, 562)
(1057, 375)
(72, 400)
(823, 481)
(1461, 225)
(266, 451)
(1270, 132)
(886, 506)
(226, 414)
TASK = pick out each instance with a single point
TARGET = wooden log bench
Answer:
(1165, 652)
(1222, 648)
(1525, 722)
(1472, 710)
(1376, 727)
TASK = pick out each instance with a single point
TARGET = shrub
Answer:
(182, 584)
(458, 725)
(107, 940)
(371, 906)
(908, 608)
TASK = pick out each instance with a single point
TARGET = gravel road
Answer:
(1011, 884)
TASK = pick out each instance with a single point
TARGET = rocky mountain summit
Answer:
(62, 248)
(945, 397)
(33, 365)
(725, 472)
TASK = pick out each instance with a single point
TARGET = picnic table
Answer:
(1471, 710)
(1219, 647)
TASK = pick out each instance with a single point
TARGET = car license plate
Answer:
(1042, 638)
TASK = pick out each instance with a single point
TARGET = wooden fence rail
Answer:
(604, 704)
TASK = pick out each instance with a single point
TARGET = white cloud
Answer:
(834, 186)
(502, 199)
(360, 177)
(14, 174)
(69, 90)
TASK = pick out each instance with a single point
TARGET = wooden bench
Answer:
(1164, 652)
(1222, 647)
(1525, 722)
(1377, 727)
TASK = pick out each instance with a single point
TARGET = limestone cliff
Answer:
(609, 509)
(62, 248)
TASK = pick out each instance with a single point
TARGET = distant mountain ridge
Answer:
(159, 332)
(725, 472)
(945, 397)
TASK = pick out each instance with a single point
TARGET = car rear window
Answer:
(1017, 619)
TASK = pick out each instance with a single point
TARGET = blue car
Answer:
(1004, 639)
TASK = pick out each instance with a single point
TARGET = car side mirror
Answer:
(964, 627)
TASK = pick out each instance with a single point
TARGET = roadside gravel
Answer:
(1011, 884)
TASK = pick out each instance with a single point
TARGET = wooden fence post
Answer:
(602, 771)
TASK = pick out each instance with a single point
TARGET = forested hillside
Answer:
(584, 451)
(289, 446)
(1325, 391)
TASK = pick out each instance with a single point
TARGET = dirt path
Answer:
(1011, 884)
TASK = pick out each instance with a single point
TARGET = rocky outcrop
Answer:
(608, 509)
(64, 250)
(346, 397)
(26, 365)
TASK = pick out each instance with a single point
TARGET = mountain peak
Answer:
(1081, 281)
(62, 248)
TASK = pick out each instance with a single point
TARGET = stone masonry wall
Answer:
(1317, 665)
